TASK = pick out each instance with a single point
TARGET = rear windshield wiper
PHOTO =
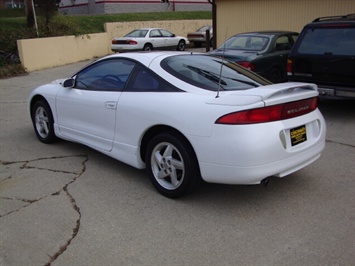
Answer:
(209, 75)
(244, 81)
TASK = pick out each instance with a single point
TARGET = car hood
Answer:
(58, 81)
(267, 95)
(235, 55)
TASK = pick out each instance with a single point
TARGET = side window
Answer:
(144, 80)
(283, 43)
(107, 75)
(166, 33)
(294, 37)
(155, 34)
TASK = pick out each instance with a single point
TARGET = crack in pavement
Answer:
(340, 143)
(77, 174)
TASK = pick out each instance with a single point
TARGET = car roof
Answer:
(150, 29)
(350, 17)
(145, 57)
(332, 20)
(267, 32)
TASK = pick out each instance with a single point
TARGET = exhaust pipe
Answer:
(265, 181)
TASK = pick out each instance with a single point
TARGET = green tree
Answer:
(29, 14)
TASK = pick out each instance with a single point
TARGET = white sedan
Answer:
(148, 39)
(184, 117)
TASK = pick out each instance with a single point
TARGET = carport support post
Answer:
(208, 41)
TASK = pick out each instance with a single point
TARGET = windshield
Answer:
(246, 42)
(211, 73)
(204, 28)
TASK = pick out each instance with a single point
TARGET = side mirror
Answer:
(173, 35)
(68, 83)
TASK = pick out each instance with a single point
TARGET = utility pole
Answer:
(31, 15)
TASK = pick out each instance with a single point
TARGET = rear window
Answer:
(247, 42)
(328, 41)
(137, 33)
(211, 73)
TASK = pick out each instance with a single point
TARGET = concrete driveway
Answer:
(65, 204)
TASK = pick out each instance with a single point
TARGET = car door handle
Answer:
(111, 105)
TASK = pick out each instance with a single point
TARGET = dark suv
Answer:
(324, 54)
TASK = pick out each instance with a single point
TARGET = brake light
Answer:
(195, 36)
(131, 42)
(124, 42)
(270, 113)
(289, 67)
(247, 65)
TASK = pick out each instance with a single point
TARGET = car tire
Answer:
(211, 42)
(275, 75)
(42, 119)
(148, 47)
(181, 46)
(197, 44)
(172, 165)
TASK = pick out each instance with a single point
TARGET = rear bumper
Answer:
(127, 48)
(237, 175)
(325, 91)
(247, 154)
(197, 39)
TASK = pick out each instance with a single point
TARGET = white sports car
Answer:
(148, 39)
(184, 116)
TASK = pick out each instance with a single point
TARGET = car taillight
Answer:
(247, 65)
(270, 113)
(124, 42)
(289, 67)
(195, 35)
(131, 42)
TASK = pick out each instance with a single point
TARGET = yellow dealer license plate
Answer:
(298, 135)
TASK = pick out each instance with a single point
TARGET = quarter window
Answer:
(144, 80)
(283, 43)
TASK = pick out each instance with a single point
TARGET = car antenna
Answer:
(220, 71)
